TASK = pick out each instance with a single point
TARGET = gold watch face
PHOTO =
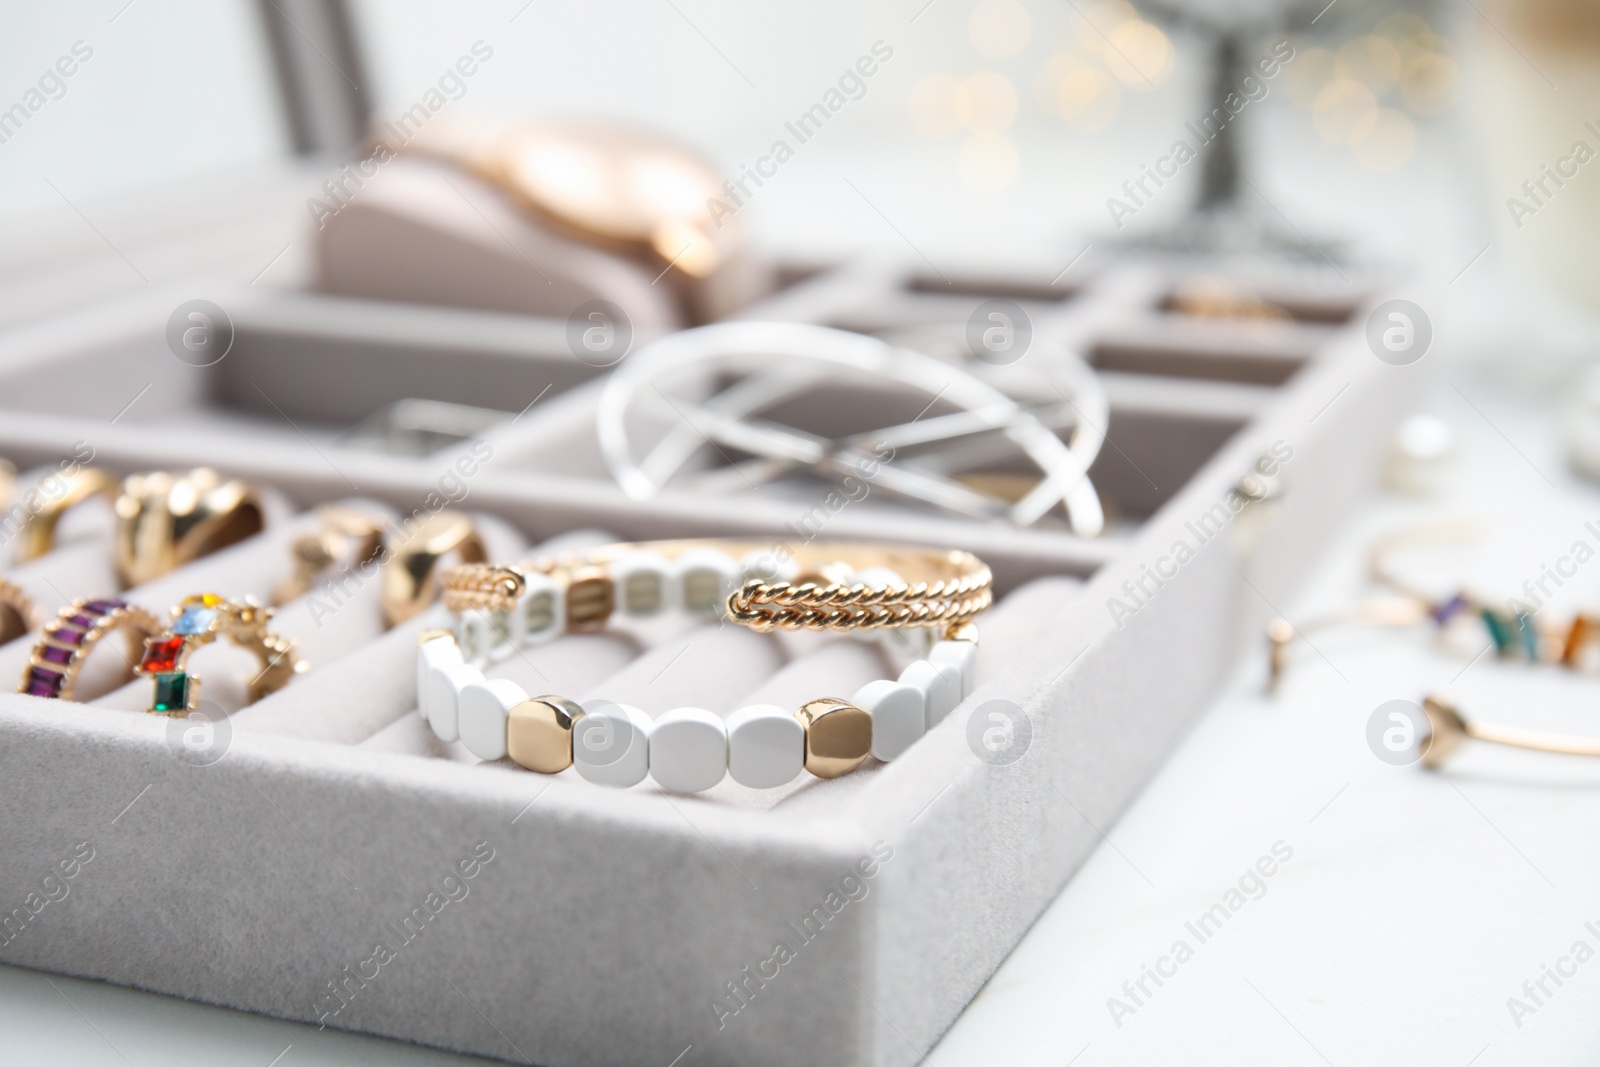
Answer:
(620, 186)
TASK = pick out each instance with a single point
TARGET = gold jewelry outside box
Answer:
(1515, 632)
(1448, 730)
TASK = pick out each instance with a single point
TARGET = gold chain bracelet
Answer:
(833, 586)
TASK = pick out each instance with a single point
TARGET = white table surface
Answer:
(1413, 906)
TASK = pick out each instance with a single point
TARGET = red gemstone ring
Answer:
(69, 638)
(198, 621)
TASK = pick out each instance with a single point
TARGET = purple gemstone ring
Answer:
(67, 641)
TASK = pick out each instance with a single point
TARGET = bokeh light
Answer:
(1403, 63)
(1342, 110)
(1098, 19)
(1139, 54)
(1308, 74)
(1371, 60)
(985, 103)
(988, 103)
(1403, 27)
(1385, 140)
(1081, 95)
(1365, 93)
(988, 162)
(1428, 83)
(999, 28)
(936, 106)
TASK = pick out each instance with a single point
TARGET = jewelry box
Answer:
(311, 875)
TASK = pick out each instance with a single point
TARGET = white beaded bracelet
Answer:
(690, 749)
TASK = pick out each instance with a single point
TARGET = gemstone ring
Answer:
(67, 640)
(198, 621)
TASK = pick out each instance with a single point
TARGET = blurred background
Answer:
(998, 132)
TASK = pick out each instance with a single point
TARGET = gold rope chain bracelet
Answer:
(817, 587)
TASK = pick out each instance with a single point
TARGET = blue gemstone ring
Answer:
(199, 621)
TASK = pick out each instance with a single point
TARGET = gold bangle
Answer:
(168, 520)
(37, 535)
(18, 613)
(1515, 631)
(198, 621)
(1388, 612)
(1512, 636)
(57, 659)
(347, 535)
(1447, 730)
(940, 587)
(1382, 571)
(410, 575)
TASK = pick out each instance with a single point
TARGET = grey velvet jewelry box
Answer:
(553, 922)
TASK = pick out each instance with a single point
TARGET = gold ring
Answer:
(347, 536)
(198, 621)
(69, 638)
(167, 520)
(37, 534)
(18, 613)
(410, 573)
